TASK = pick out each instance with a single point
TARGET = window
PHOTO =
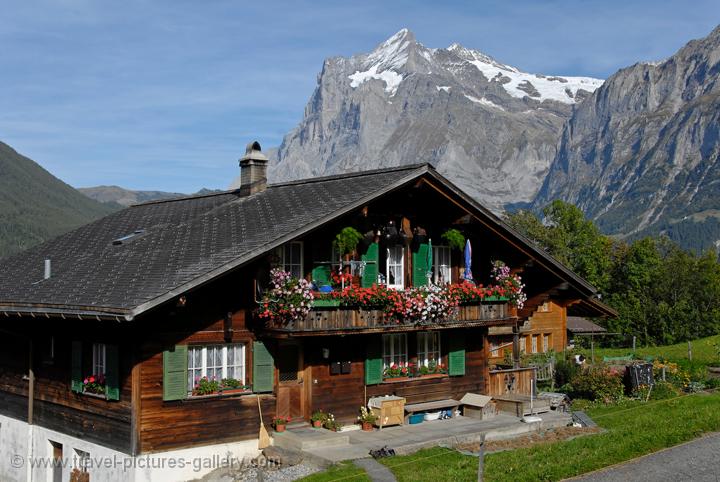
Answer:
(441, 265)
(428, 348)
(215, 362)
(523, 344)
(534, 344)
(394, 350)
(544, 308)
(546, 343)
(83, 459)
(494, 348)
(57, 461)
(396, 267)
(98, 363)
(290, 258)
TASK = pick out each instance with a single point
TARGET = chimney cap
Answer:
(253, 152)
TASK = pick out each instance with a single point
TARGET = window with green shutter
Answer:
(175, 373)
(263, 368)
(112, 378)
(372, 259)
(420, 265)
(374, 362)
(456, 354)
(76, 375)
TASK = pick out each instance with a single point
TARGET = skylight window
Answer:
(127, 237)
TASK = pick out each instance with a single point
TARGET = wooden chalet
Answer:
(153, 298)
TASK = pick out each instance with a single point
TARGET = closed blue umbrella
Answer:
(468, 261)
(429, 260)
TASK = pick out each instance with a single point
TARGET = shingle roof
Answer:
(578, 324)
(184, 242)
(188, 241)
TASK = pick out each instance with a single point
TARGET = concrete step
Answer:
(306, 438)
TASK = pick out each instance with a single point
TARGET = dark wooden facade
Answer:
(141, 421)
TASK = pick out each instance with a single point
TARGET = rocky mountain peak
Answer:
(488, 126)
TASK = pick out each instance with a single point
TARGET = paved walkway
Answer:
(375, 470)
(697, 461)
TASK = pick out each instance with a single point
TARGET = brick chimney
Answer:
(253, 170)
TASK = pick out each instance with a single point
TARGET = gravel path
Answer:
(697, 461)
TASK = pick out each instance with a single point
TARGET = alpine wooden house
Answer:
(155, 330)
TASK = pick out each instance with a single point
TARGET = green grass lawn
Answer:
(342, 471)
(703, 351)
(633, 429)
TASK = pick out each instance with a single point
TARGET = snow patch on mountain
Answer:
(391, 78)
(522, 84)
(484, 101)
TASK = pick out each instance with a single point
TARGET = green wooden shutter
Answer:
(175, 373)
(370, 275)
(420, 267)
(456, 354)
(76, 376)
(373, 362)
(263, 368)
(112, 383)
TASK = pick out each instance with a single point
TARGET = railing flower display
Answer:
(288, 300)
(512, 283)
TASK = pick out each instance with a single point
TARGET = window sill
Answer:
(100, 396)
(411, 379)
(224, 394)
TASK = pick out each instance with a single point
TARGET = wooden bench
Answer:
(432, 406)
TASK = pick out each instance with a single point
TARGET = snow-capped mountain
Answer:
(489, 127)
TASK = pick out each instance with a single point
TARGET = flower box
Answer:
(396, 379)
(324, 303)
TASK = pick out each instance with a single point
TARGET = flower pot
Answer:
(317, 423)
(367, 427)
(279, 428)
(396, 379)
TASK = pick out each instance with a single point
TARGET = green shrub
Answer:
(712, 383)
(565, 370)
(598, 383)
(663, 391)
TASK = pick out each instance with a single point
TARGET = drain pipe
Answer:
(31, 406)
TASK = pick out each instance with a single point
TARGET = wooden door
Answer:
(291, 400)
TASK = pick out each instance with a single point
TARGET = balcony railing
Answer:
(328, 319)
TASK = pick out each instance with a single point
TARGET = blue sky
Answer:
(165, 94)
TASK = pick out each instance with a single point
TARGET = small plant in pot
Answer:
(367, 418)
(347, 240)
(332, 424)
(454, 238)
(280, 423)
(318, 418)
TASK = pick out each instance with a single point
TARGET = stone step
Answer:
(306, 438)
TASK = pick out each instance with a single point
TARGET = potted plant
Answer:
(232, 385)
(318, 418)
(204, 387)
(94, 384)
(280, 423)
(454, 239)
(367, 418)
(346, 240)
(397, 372)
(332, 424)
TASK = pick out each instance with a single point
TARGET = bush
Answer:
(597, 383)
(712, 383)
(565, 370)
(663, 391)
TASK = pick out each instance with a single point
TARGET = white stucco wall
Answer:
(107, 465)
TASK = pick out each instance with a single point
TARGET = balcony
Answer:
(327, 319)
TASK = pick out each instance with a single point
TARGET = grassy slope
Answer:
(703, 351)
(633, 429)
(35, 205)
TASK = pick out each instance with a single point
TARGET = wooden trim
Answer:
(135, 404)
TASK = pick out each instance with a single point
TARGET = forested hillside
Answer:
(663, 293)
(35, 205)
